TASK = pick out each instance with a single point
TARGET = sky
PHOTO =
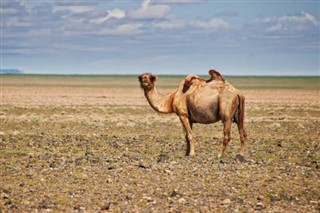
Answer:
(235, 37)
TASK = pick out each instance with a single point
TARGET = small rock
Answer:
(271, 113)
(240, 200)
(95, 160)
(182, 200)
(174, 193)
(136, 138)
(167, 171)
(259, 206)
(149, 199)
(111, 167)
(88, 153)
(274, 198)
(260, 197)
(105, 207)
(13, 207)
(79, 207)
(162, 158)
(240, 158)
(313, 202)
(226, 201)
(52, 165)
(143, 165)
(7, 202)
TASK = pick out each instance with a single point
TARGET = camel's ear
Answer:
(153, 78)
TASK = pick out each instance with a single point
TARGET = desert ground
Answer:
(93, 144)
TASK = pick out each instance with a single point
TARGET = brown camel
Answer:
(197, 100)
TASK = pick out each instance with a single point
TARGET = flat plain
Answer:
(93, 144)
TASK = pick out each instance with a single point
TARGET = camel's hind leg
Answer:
(240, 122)
(243, 135)
(187, 125)
(227, 136)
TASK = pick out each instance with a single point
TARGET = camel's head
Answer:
(147, 80)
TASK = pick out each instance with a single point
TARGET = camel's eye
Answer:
(141, 78)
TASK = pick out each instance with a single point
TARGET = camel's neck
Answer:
(162, 104)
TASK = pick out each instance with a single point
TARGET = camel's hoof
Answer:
(240, 158)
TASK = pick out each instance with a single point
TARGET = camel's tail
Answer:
(240, 115)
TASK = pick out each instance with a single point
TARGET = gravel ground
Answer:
(74, 149)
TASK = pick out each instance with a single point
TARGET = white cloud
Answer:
(149, 11)
(170, 24)
(212, 25)
(78, 9)
(275, 27)
(288, 24)
(115, 13)
(207, 26)
(123, 29)
(303, 18)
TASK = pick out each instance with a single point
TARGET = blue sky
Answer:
(161, 36)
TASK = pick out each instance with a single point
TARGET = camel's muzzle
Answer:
(144, 83)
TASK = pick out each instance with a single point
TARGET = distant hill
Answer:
(10, 71)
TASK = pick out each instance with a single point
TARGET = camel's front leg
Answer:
(189, 138)
(227, 136)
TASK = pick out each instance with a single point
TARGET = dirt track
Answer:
(104, 149)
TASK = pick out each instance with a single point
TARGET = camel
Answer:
(197, 100)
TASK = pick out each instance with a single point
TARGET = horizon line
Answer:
(173, 75)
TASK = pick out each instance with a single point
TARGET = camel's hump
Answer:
(191, 76)
(215, 75)
(189, 79)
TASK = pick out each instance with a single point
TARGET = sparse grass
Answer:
(164, 81)
(276, 82)
(7, 153)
